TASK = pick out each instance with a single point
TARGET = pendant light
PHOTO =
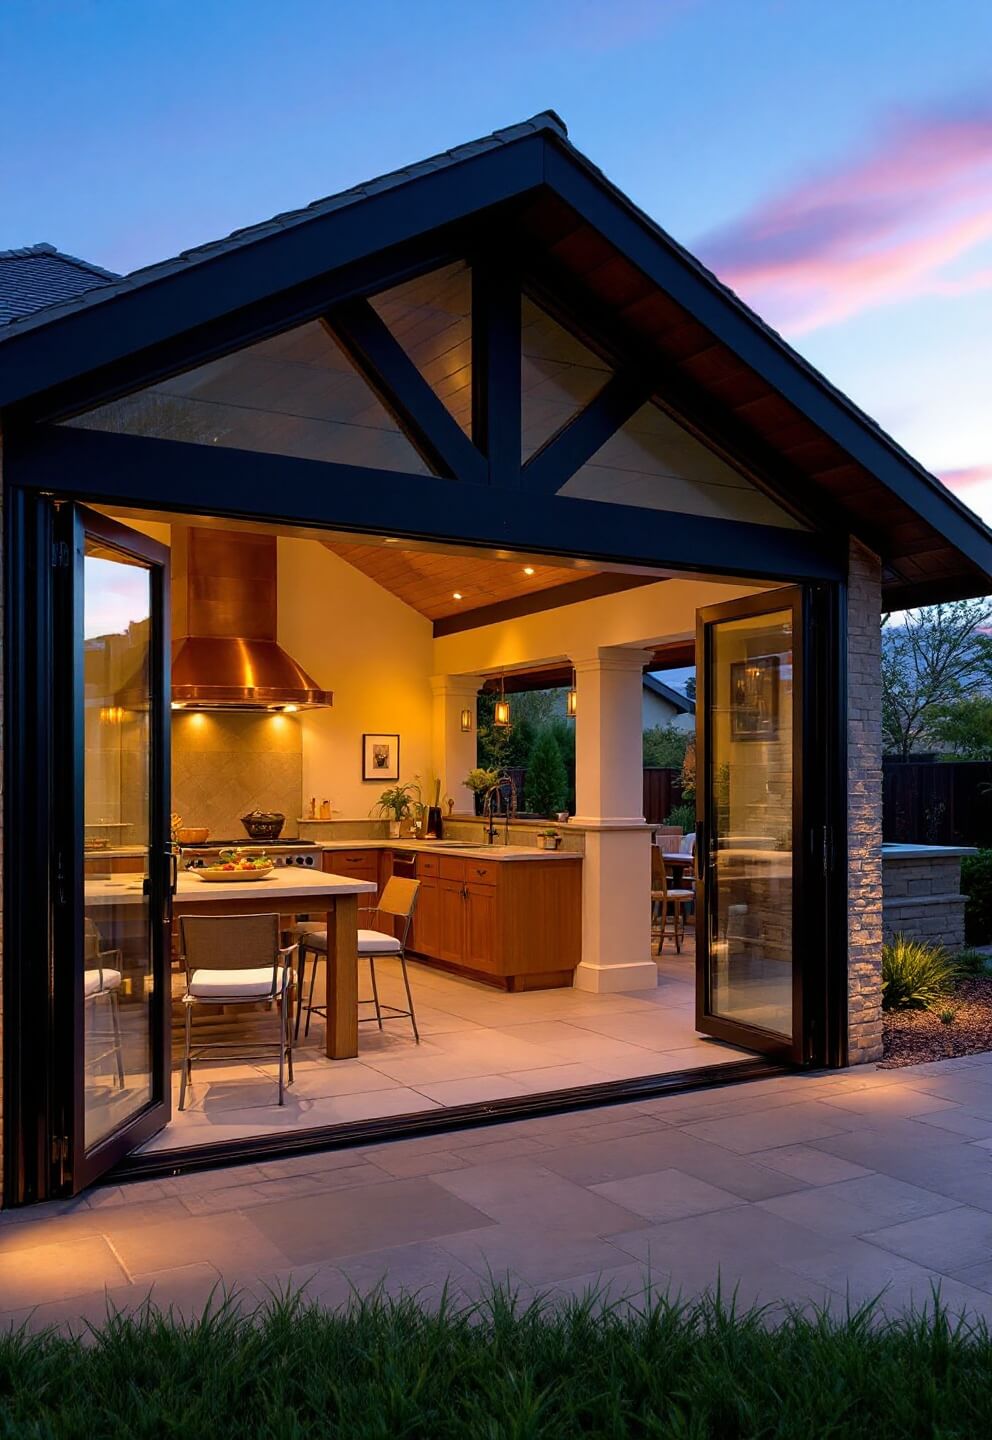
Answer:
(571, 699)
(501, 714)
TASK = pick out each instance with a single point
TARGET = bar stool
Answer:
(397, 902)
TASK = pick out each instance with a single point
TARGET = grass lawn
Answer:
(500, 1372)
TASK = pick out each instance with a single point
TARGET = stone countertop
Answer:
(465, 852)
(281, 884)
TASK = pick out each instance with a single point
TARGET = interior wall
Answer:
(226, 764)
(374, 653)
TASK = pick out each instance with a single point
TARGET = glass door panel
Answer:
(749, 737)
(113, 868)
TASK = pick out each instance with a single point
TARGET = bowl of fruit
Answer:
(232, 865)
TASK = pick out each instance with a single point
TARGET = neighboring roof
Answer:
(38, 277)
(614, 268)
(681, 702)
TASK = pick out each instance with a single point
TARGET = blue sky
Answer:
(833, 162)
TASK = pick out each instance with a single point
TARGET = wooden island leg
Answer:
(341, 1037)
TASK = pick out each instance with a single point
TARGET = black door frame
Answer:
(30, 1121)
(819, 996)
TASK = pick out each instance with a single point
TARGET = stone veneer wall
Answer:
(864, 806)
(923, 897)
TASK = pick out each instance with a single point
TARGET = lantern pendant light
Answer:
(571, 699)
(501, 714)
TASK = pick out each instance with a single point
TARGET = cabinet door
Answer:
(480, 926)
(451, 936)
(426, 930)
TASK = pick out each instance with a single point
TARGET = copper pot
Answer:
(193, 835)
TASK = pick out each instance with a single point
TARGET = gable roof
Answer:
(681, 702)
(36, 278)
(721, 370)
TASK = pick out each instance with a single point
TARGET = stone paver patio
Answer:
(797, 1189)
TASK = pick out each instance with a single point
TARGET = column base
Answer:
(608, 979)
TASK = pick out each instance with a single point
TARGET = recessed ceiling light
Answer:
(528, 569)
(390, 540)
(456, 595)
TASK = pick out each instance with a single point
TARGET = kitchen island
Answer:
(284, 892)
(508, 915)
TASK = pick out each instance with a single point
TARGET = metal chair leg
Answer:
(300, 972)
(375, 991)
(313, 981)
(187, 1058)
(409, 996)
(115, 1023)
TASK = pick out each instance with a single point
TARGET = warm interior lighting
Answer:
(466, 720)
(501, 714)
(390, 540)
(456, 595)
(179, 704)
(290, 709)
(528, 569)
(572, 698)
(112, 715)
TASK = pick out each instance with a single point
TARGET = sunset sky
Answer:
(831, 162)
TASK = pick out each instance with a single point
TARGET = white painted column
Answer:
(609, 799)
(454, 749)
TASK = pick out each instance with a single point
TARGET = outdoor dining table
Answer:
(285, 891)
(678, 862)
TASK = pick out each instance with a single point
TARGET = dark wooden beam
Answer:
(373, 349)
(496, 364)
(553, 598)
(675, 272)
(565, 453)
(241, 276)
(180, 477)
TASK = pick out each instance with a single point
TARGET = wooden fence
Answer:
(933, 802)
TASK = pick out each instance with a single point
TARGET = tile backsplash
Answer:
(225, 764)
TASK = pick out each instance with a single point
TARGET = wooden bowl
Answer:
(196, 835)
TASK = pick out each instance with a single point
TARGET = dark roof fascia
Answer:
(183, 295)
(674, 697)
(598, 201)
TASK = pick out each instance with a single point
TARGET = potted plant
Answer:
(396, 802)
(548, 840)
(479, 781)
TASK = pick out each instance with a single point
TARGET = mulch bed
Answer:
(912, 1036)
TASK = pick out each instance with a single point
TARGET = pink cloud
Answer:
(882, 227)
(967, 477)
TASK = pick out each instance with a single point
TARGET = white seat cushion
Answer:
(98, 982)
(370, 942)
(238, 984)
(681, 895)
(374, 942)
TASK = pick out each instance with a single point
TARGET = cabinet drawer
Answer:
(481, 872)
(451, 869)
(428, 865)
(359, 864)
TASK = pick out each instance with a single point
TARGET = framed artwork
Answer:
(754, 687)
(380, 757)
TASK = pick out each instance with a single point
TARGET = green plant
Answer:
(976, 882)
(947, 1017)
(971, 964)
(915, 975)
(684, 816)
(397, 800)
(665, 747)
(480, 779)
(546, 786)
(594, 1365)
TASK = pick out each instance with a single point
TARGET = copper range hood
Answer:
(225, 655)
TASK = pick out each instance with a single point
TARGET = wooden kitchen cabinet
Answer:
(516, 924)
(355, 864)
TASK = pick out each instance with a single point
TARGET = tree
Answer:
(964, 729)
(547, 778)
(928, 664)
(665, 746)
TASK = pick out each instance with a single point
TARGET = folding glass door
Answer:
(749, 798)
(112, 868)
